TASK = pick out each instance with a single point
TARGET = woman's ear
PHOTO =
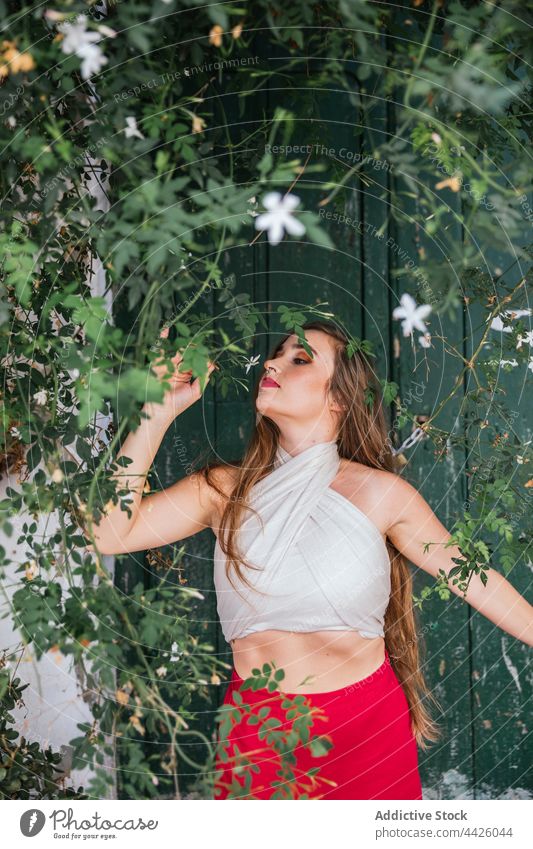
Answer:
(337, 408)
(334, 405)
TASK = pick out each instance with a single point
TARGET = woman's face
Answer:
(301, 395)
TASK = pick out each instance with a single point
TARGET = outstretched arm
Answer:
(413, 524)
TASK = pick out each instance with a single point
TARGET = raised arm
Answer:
(413, 523)
(181, 510)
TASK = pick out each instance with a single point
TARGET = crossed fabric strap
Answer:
(286, 499)
(308, 532)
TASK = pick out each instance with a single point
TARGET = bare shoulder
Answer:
(223, 479)
(375, 481)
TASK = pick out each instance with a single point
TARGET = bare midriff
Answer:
(313, 661)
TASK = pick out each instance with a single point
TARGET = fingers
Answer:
(179, 376)
(196, 385)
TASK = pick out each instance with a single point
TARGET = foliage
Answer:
(280, 738)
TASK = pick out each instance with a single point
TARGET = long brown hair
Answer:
(362, 437)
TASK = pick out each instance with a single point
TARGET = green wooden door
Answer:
(469, 663)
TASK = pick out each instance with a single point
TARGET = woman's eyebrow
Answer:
(299, 347)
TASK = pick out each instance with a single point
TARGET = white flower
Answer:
(509, 362)
(436, 138)
(41, 396)
(174, 648)
(521, 458)
(411, 314)
(496, 323)
(81, 41)
(57, 476)
(14, 431)
(425, 340)
(92, 60)
(527, 338)
(77, 36)
(530, 364)
(251, 362)
(161, 671)
(279, 217)
(11, 121)
(131, 129)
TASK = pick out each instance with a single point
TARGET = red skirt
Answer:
(351, 743)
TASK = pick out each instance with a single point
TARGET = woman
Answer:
(313, 527)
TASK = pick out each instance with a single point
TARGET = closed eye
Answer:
(295, 360)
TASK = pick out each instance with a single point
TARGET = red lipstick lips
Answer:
(267, 381)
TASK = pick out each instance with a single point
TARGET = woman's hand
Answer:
(179, 511)
(182, 393)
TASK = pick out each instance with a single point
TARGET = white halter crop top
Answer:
(324, 564)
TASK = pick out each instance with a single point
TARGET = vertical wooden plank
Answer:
(375, 194)
(501, 682)
(425, 377)
(300, 272)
